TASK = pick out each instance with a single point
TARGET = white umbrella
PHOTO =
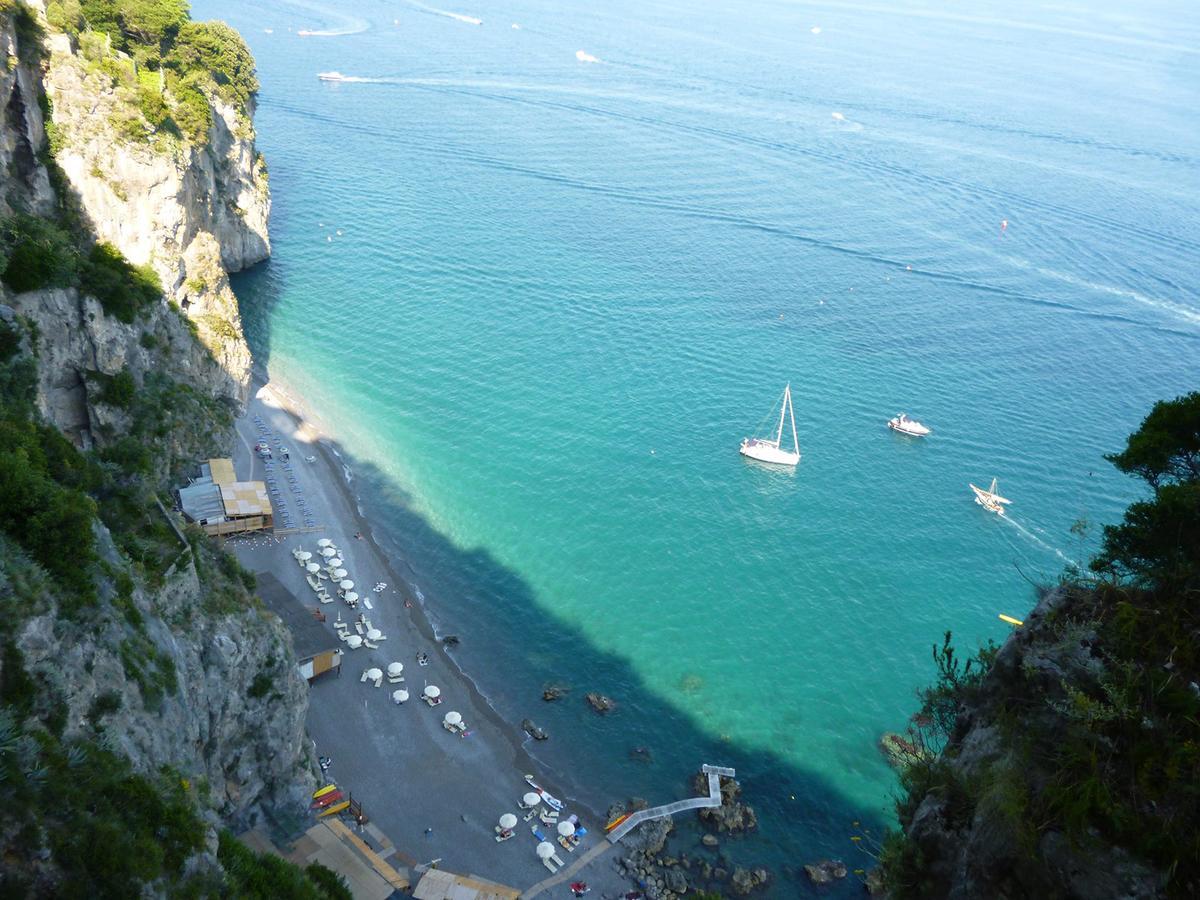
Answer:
(313, 568)
(566, 829)
(328, 552)
(453, 718)
(324, 542)
(339, 573)
(374, 634)
(433, 692)
(545, 850)
(533, 798)
(335, 562)
(375, 674)
(394, 669)
(508, 820)
(351, 596)
(354, 641)
(304, 556)
(346, 584)
(400, 696)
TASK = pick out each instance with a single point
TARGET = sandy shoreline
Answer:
(410, 773)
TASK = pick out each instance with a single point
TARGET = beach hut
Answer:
(432, 695)
(399, 696)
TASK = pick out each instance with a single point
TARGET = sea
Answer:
(539, 267)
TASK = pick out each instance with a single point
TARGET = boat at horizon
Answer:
(989, 499)
(769, 450)
(903, 424)
(331, 76)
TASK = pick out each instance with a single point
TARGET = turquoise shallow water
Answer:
(540, 301)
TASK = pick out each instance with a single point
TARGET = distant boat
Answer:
(989, 499)
(331, 76)
(769, 450)
(903, 424)
(552, 802)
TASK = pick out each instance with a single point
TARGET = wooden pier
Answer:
(714, 774)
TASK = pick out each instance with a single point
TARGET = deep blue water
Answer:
(540, 301)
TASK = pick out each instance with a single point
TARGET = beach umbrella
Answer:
(339, 573)
(400, 696)
(374, 634)
(313, 568)
(354, 641)
(394, 669)
(336, 562)
(351, 597)
(507, 821)
(545, 850)
(346, 584)
(328, 552)
(566, 829)
(533, 798)
(324, 542)
(453, 718)
(304, 556)
(375, 674)
(433, 692)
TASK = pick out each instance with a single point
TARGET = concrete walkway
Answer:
(714, 774)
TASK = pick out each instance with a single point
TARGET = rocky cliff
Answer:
(170, 661)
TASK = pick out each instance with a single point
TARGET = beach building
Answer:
(438, 884)
(220, 504)
(317, 650)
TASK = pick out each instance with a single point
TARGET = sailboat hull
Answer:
(768, 453)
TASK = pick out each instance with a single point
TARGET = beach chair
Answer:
(313, 583)
(549, 818)
(324, 598)
(532, 812)
(363, 679)
(370, 646)
(565, 844)
(503, 835)
(358, 626)
(549, 865)
(558, 860)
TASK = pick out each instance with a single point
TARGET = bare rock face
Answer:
(826, 871)
(732, 815)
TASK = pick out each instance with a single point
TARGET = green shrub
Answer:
(192, 114)
(217, 50)
(123, 289)
(10, 341)
(37, 254)
(65, 16)
(263, 876)
(116, 390)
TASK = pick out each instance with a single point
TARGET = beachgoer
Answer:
(358, 535)
(428, 832)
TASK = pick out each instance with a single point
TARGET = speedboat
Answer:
(989, 499)
(331, 76)
(903, 424)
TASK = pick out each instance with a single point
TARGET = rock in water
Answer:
(710, 840)
(600, 703)
(533, 731)
(554, 692)
(746, 880)
(826, 871)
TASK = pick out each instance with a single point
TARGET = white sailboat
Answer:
(770, 450)
(989, 499)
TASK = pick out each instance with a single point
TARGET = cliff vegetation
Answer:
(1067, 762)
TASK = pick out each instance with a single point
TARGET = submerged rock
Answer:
(826, 871)
(744, 881)
(554, 692)
(641, 754)
(710, 840)
(600, 703)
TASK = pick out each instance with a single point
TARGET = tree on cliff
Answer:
(1157, 545)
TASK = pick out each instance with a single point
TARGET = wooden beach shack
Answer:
(317, 650)
(220, 504)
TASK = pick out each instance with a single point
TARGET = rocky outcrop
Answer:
(732, 815)
(217, 697)
(600, 703)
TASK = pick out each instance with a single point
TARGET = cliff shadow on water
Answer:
(262, 283)
(512, 646)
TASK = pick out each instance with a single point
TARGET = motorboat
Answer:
(770, 449)
(331, 76)
(903, 424)
(989, 499)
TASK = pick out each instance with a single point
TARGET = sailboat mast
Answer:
(792, 413)
(787, 393)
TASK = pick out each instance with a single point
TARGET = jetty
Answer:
(714, 773)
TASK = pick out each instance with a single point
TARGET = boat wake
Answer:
(584, 56)
(334, 32)
(1033, 538)
(445, 13)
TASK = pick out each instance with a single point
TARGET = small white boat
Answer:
(550, 801)
(989, 499)
(770, 450)
(903, 424)
(331, 76)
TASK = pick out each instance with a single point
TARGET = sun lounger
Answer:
(370, 646)
(313, 583)
(549, 865)
(565, 844)
(504, 835)
(549, 818)
(558, 860)
(325, 598)
(529, 815)
(395, 679)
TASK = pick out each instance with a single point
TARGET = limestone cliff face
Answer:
(231, 713)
